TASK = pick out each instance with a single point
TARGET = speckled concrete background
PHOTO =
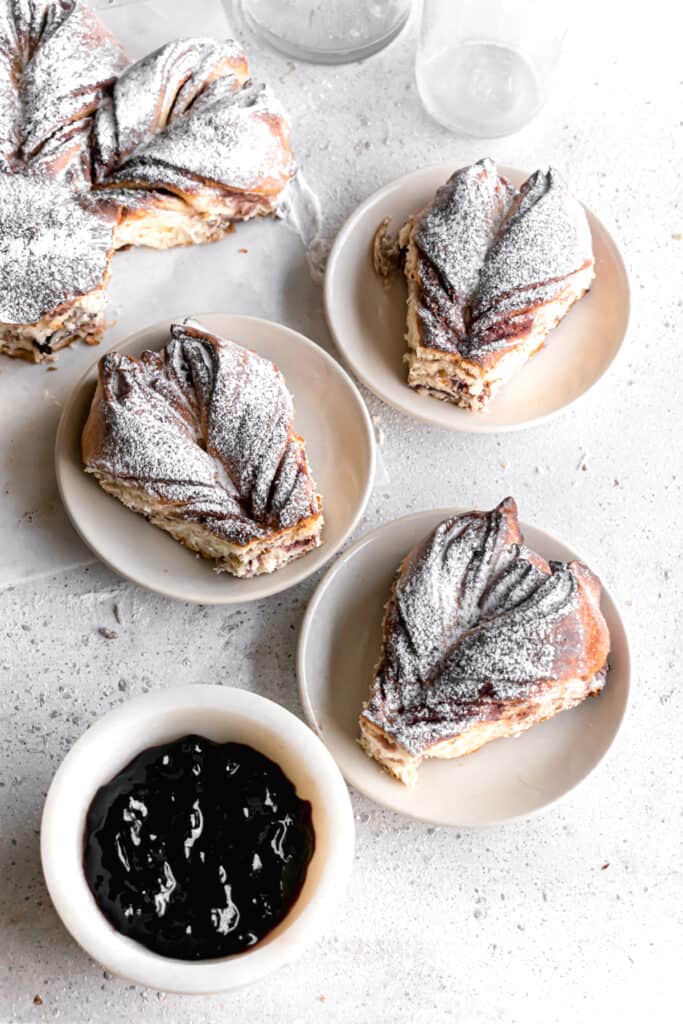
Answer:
(574, 916)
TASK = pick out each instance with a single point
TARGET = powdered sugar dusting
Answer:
(487, 253)
(57, 59)
(157, 89)
(528, 251)
(205, 426)
(54, 247)
(233, 139)
(453, 236)
(474, 620)
(72, 61)
(544, 241)
(183, 120)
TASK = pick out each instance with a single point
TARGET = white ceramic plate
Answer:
(329, 413)
(339, 646)
(368, 320)
(221, 714)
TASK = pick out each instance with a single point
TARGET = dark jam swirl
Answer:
(197, 849)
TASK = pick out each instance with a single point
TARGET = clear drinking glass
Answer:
(327, 31)
(485, 67)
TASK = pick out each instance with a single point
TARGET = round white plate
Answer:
(339, 647)
(341, 449)
(367, 320)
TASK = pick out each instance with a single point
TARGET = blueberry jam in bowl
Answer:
(196, 839)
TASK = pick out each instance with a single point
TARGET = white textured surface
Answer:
(520, 924)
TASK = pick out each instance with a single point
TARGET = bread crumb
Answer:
(385, 251)
(108, 634)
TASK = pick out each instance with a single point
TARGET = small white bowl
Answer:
(221, 714)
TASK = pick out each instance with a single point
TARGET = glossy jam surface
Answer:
(197, 849)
